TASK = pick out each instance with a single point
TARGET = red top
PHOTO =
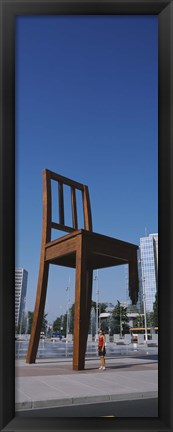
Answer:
(101, 341)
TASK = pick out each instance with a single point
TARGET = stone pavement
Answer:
(53, 382)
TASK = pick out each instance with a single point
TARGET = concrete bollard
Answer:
(135, 346)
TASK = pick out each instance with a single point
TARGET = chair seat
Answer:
(102, 251)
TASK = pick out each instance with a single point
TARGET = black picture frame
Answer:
(9, 10)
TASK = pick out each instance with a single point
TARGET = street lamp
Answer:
(97, 303)
(120, 322)
(145, 314)
(61, 316)
(68, 304)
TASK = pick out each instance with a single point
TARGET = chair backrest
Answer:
(48, 224)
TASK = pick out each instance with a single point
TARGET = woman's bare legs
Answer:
(102, 362)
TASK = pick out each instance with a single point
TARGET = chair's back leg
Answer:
(83, 293)
(38, 312)
(133, 279)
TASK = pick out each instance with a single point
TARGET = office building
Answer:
(148, 269)
(21, 277)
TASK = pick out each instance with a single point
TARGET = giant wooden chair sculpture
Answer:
(82, 249)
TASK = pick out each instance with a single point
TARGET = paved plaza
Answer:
(53, 382)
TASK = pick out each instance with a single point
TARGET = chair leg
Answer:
(83, 293)
(89, 296)
(133, 280)
(38, 312)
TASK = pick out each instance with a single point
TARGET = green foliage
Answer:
(30, 320)
(71, 319)
(104, 326)
(139, 321)
(152, 317)
(44, 324)
(155, 310)
(117, 322)
(60, 324)
(62, 320)
(120, 323)
(102, 306)
(120, 312)
(57, 324)
(20, 329)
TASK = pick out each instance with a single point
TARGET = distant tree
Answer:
(44, 324)
(30, 320)
(152, 317)
(102, 306)
(120, 318)
(59, 324)
(105, 325)
(155, 310)
(71, 319)
(20, 329)
(138, 321)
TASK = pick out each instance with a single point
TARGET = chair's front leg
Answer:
(38, 312)
(83, 293)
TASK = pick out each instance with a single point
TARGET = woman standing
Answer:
(101, 349)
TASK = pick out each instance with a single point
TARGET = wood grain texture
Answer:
(74, 208)
(87, 209)
(83, 292)
(61, 203)
(43, 273)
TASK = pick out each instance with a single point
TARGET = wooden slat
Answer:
(87, 209)
(47, 209)
(64, 180)
(60, 227)
(74, 208)
(61, 203)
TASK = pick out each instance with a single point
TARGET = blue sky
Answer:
(86, 108)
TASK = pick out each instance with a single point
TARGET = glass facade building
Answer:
(148, 269)
(21, 277)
